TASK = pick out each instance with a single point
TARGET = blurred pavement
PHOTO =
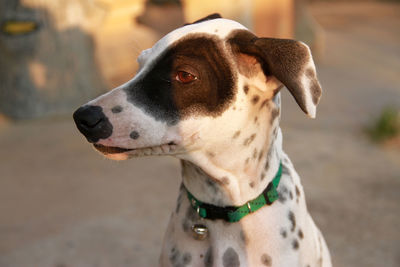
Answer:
(63, 205)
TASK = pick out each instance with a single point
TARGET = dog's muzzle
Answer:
(92, 123)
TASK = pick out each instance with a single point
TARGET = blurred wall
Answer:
(77, 49)
(47, 60)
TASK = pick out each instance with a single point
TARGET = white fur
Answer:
(209, 143)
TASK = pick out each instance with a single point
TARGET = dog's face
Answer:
(196, 89)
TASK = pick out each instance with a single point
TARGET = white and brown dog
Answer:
(208, 94)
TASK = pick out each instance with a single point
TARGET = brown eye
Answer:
(185, 77)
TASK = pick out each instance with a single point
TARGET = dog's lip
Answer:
(111, 149)
(161, 149)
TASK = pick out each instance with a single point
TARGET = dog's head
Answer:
(197, 88)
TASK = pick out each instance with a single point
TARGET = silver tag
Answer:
(200, 231)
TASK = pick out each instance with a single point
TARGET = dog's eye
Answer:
(185, 77)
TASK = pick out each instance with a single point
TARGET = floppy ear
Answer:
(289, 61)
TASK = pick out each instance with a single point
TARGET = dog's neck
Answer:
(216, 180)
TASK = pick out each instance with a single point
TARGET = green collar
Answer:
(234, 214)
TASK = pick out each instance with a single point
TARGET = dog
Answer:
(208, 93)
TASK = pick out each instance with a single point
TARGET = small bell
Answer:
(200, 231)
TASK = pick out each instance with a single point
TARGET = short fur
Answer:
(224, 127)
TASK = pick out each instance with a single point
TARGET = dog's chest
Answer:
(275, 233)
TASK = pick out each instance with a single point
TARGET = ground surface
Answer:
(63, 205)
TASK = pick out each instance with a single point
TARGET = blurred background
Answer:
(63, 205)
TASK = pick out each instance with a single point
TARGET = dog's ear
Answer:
(209, 17)
(289, 61)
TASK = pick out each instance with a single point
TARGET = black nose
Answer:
(92, 123)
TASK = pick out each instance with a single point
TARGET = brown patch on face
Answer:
(236, 134)
(255, 119)
(249, 140)
(165, 98)
(255, 99)
(251, 184)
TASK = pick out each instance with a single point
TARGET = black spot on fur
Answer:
(177, 259)
(285, 170)
(274, 115)
(249, 140)
(246, 89)
(210, 154)
(179, 202)
(255, 153)
(255, 99)
(300, 234)
(208, 258)
(283, 233)
(116, 109)
(212, 185)
(266, 259)
(292, 220)
(295, 244)
(275, 132)
(225, 180)
(134, 135)
(297, 191)
(187, 258)
(262, 175)
(260, 155)
(236, 135)
(185, 225)
(269, 155)
(243, 237)
(174, 255)
(230, 258)
(265, 103)
(283, 193)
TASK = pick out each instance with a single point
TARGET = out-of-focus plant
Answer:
(386, 126)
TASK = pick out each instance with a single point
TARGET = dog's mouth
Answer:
(165, 149)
